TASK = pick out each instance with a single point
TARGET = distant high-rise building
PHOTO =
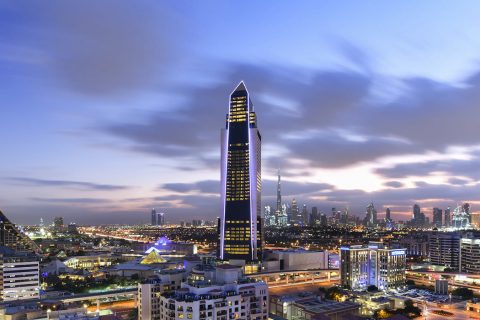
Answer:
(461, 217)
(388, 219)
(466, 209)
(241, 224)
(282, 219)
(304, 221)
(161, 218)
(270, 218)
(289, 213)
(447, 219)
(437, 217)
(279, 193)
(344, 217)
(419, 219)
(295, 212)
(154, 217)
(323, 220)
(58, 223)
(314, 217)
(370, 216)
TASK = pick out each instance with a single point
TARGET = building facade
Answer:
(444, 249)
(149, 293)
(208, 293)
(241, 223)
(375, 264)
(19, 275)
(470, 254)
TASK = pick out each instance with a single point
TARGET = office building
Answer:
(241, 224)
(444, 249)
(20, 276)
(374, 264)
(470, 253)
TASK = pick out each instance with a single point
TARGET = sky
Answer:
(110, 108)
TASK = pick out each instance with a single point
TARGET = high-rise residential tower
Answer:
(241, 223)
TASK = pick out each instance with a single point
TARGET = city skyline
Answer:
(101, 128)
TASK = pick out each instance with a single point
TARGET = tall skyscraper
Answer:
(296, 218)
(370, 216)
(279, 193)
(241, 223)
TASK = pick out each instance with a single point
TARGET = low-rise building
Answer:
(309, 306)
(92, 262)
(290, 260)
(223, 294)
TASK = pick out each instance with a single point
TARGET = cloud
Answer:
(100, 48)
(66, 183)
(333, 117)
(202, 187)
(393, 184)
(71, 200)
(456, 168)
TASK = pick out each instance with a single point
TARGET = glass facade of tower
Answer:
(241, 223)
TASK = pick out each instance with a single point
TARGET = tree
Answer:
(372, 288)
(465, 293)
(410, 310)
(334, 293)
(382, 314)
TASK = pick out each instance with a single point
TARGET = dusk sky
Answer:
(110, 108)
